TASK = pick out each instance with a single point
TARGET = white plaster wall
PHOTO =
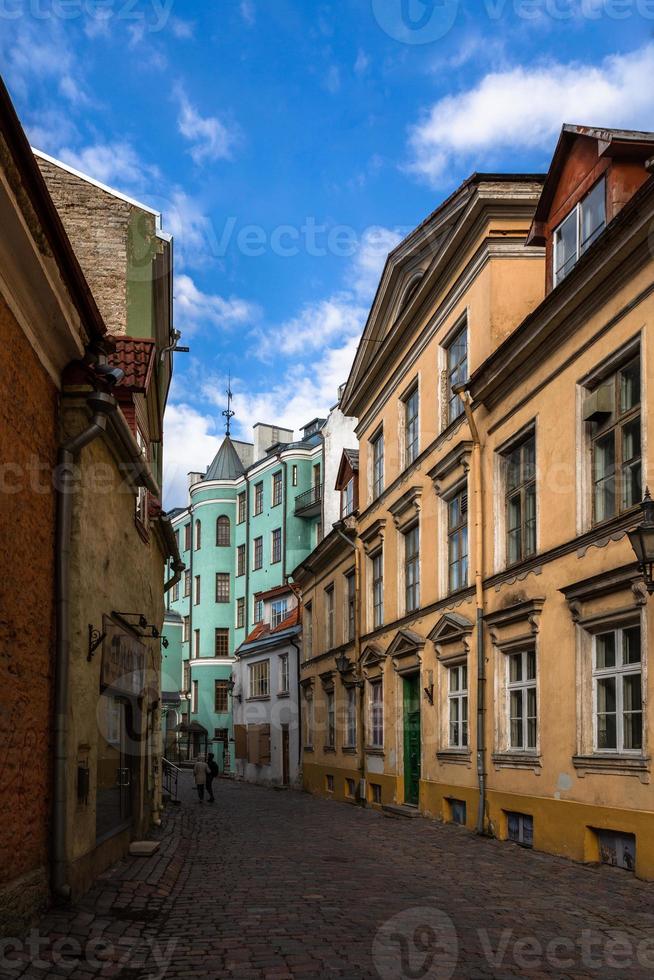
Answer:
(338, 435)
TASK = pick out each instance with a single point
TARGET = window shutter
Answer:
(253, 744)
(240, 738)
(264, 745)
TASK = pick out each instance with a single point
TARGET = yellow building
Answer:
(501, 658)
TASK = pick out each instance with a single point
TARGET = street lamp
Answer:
(642, 541)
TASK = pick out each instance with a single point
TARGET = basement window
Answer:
(617, 849)
(350, 788)
(376, 793)
(458, 811)
(520, 829)
(329, 782)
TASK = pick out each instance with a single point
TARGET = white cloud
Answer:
(211, 139)
(196, 244)
(376, 243)
(195, 309)
(362, 63)
(332, 80)
(117, 164)
(248, 12)
(525, 108)
(191, 442)
(182, 29)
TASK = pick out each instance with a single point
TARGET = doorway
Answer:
(412, 746)
(114, 784)
(286, 756)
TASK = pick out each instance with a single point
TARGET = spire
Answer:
(229, 414)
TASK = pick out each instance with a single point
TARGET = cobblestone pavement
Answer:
(278, 884)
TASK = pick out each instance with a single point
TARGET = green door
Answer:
(412, 739)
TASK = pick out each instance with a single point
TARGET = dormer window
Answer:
(579, 230)
(347, 499)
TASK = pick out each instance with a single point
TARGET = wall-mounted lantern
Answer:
(642, 541)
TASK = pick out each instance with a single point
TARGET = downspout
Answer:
(247, 554)
(295, 644)
(357, 660)
(102, 406)
(477, 481)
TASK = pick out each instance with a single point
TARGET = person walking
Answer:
(200, 772)
(212, 767)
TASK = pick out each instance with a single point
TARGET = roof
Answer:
(35, 187)
(227, 464)
(349, 461)
(268, 640)
(610, 142)
(263, 629)
(274, 592)
(136, 357)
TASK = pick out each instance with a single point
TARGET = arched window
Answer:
(198, 535)
(222, 532)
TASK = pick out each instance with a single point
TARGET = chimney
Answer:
(266, 436)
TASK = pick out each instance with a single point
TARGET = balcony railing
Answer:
(308, 504)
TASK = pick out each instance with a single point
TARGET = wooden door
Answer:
(412, 745)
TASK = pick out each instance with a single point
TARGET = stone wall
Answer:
(27, 519)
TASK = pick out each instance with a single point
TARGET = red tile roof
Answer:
(261, 629)
(135, 356)
(273, 593)
(293, 619)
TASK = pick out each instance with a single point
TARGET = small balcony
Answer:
(309, 504)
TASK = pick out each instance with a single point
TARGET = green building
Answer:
(254, 515)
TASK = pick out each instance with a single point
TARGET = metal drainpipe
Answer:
(357, 657)
(295, 644)
(247, 553)
(102, 406)
(477, 478)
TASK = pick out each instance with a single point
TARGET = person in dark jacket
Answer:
(212, 767)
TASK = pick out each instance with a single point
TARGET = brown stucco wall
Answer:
(27, 518)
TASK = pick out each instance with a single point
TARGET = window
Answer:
(186, 681)
(222, 643)
(276, 546)
(329, 783)
(458, 706)
(258, 553)
(347, 499)
(260, 679)
(457, 541)
(523, 718)
(186, 626)
(276, 489)
(221, 702)
(376, 790)
(258, 498)
(142, 493)
(331, 721)
(196, 644)
(240, 613)
(198, 535)
(308, 717)
(194, 697)
(241, 502)
(350, 717)
(617, 680)
(520, 491)
(240, 560)
(294, 475)
(350, 605)
(177, 538)
(223, 534)
(221, 735)
(350, 788)
(329, 617)
(308, 631)
(176, 592)
(458, 811)
(578, 231)
(412, 569)
(258, 611)
(616, 445)
(196, 597)
(411, 427)
(376, 715)
(457, 372)
(378, 590)
(222, 587)
(283, 674)
(278, 612)
(187, 537)
(187, 583)
(378, 465)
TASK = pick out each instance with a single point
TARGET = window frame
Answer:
(221, 634)
(308, 630)
(259, 672)
(376, 713)
(456, 372)
(377, 456)
(197, 590)
(277, 490)
(459, 697)
(241, 507)
(618, 672)
(240, 560)
(350, 606)
(329, 616)
(223, 540)
(576, 214)
(522, 686)
(411, 426)
(377, 583)
(457, 532)
(412, 561)
(257, 556)
(221, 685)
(330, 699)
(284, 676)
(258, 498)
(240, 613)
(278, 616)
(198, 535)
(526, 482)
(223, 595)
(276, 546)
(350, 733)
(614, 427)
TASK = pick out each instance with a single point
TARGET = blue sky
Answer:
(291, 144)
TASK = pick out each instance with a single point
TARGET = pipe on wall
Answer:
(102, 407)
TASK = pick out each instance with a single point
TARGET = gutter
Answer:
(477, 482)
(102, 406)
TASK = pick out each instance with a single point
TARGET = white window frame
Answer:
(619, 672)
(330, 705)
(522, 686)
(350, 741)
(196, 644)
(195, 697)
(278, 612)
(377, 458)
(197, 590)
(330, 603)
(457, 701)
(308, 630)
(259, 679)
(284, 681)
(576, 214)
(377, 589)
(376, 713)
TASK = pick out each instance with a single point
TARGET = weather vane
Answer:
(229, 415)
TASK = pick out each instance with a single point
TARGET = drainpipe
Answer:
(360, 683)
(294, 643)
(102, 406)
(477, 481)
(247, 553)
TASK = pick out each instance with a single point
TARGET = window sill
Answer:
(330, 748)
(264, 697)
(372, 750)
(308, 748)
(458, 757)
(349, 750)
(615, 765)
(517, 760)
(283, 694)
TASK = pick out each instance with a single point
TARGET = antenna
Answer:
(229, 415)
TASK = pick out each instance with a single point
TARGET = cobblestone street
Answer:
(276, 884)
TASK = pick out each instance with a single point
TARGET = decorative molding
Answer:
(523, 613)
(452, 468)
(406, 510)
(586, 598)
(406, 651)
(373, 536)
(613, 765)
(451, 636)
(517, 760)
(455, 757)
